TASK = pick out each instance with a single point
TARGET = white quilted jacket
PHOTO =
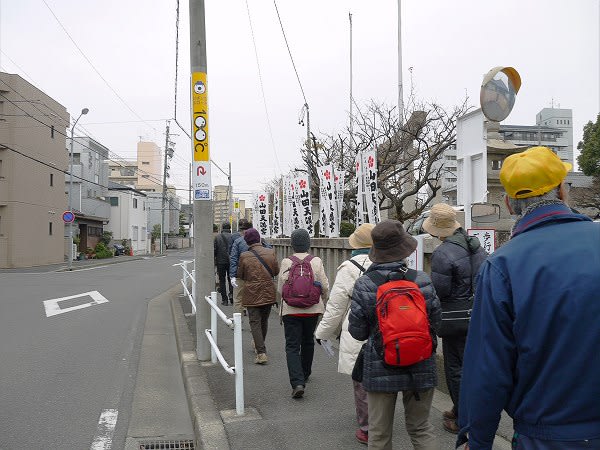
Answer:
(335, 318)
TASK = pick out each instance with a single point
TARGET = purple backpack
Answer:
(300, 289)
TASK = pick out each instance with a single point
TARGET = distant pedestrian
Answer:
(303, 285)
(382, 381)
(257, 267)
(454, 265)
(334, 323)
(238, 247)
(222, 246)
(534, 338)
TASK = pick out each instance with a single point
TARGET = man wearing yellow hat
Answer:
(533, 341)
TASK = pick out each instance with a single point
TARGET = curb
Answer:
(208, 426)
(100, 263)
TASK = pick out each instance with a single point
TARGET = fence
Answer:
(212, 335)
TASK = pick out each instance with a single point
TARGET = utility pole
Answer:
(203, 204)
(191, 212)
(164, 193)
(400, 90)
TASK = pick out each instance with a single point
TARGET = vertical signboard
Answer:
(201, 179)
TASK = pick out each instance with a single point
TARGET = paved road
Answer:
(65, 379)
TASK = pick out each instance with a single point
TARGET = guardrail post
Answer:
(239, 364)
(213, 327)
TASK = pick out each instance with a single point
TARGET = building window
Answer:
(114, 201)
(135, 203)
(145, 163)
(51, 179)
(145, 176)
(496, 164)
(143, 235)
(50, 228)
(52, 131)
(134, 233)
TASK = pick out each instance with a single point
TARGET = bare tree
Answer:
(408, 153)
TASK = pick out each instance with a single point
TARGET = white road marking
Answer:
(53, 309)
(106, 428)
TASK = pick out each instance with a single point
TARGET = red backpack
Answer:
(402, 318)
(300, 289)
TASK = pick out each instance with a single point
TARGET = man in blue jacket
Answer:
(534, 338)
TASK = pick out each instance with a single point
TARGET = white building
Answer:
(128, 217)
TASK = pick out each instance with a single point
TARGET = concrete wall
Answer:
(334, 251)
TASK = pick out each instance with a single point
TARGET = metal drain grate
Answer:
(167, 445)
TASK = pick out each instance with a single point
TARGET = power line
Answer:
(34, 104)
(289, 51)
(262, 89)
(95, 69)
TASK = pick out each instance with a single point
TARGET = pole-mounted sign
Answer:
(201, 154)
(68, 217)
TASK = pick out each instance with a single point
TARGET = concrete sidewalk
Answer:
(159, 412)
(324, 418)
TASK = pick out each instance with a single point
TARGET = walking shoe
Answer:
(261, 358)
(451, 426)
(450, 415)
(298, 392)
(362, 436)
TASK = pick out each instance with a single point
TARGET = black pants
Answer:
(223, 272)
(454, 348)
(299, 347)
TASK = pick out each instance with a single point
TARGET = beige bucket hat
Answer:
(441, 221)
(361, 238)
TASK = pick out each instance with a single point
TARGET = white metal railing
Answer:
(234, 323)
(187, 275)
(215, 354)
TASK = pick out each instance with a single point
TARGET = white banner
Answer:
(328, 206)
(486, 236)
(303, 205)
(276, 212)
(371, 191)
(260, 214)
(339, 192)
(360, 193)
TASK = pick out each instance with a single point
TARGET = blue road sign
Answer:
(68, 217)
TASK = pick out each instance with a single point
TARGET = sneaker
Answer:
(362, 436)
(298, 392)
(451, 426)
(261, 358)
(450, 415)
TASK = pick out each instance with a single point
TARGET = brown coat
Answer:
(259, 287)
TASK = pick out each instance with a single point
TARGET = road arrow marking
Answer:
(53, 308)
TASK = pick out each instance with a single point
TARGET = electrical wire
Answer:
(262, 89)
(95, 69)
(289, 51)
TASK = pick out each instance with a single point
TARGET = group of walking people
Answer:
(518, 327)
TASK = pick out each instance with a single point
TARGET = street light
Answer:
(83, 112)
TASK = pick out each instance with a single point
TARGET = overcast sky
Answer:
(554, 44)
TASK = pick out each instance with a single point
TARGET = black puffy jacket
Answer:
(223, 244)
(378, 377)
(453, 263)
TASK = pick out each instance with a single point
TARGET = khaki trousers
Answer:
(237, 296)
(416, 412)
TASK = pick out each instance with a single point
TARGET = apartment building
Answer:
(89, 190)
(33, 162)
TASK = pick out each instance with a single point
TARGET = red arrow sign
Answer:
(201, 170)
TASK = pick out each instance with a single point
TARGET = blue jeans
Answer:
(299, 347)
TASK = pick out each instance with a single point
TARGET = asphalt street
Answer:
(68, 367)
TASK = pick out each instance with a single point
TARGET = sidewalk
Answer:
(324, 418)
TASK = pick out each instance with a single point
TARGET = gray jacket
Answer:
(452, 266)
(378, 377)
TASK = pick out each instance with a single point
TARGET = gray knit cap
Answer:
(300, 240)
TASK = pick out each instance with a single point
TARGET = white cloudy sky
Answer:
(554, 44)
